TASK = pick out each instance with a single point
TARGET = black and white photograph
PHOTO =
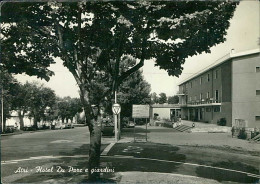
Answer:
(130, 91)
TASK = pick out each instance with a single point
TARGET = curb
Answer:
(24, 132)
(108, 148)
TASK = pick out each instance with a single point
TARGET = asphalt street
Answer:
(39, 150)
(53, 142)
(41, 156)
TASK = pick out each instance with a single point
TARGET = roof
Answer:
(165, 106)
(220, 61)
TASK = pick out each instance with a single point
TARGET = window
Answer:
(200, 80)
(190, 98)
(257, 92)
(208, 76)
(216, 109)
(216, 96)
(257, 118)
(190, 84)
(200, 96)
(207, 94)
(216, 74)
(195, 98)
(257, 69)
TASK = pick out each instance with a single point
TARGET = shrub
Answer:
(167, 124)
(242, 134)
(222, 122)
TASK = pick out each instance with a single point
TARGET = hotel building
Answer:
(229, 88)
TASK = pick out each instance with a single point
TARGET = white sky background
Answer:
(243, 34)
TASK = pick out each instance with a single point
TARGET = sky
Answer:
(243, 34)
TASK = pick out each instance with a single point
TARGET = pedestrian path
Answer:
(182, 128)
(155, 177)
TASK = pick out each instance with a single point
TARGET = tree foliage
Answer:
(8, 91)
(134, 90)
(68, 107)
(103, 32)
(162, 98)
(92, 39)
(37, 99)
(173, 99)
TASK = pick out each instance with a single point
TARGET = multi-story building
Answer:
(229, 88)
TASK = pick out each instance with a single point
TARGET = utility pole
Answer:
(2, 91)
(115, 119)
(116, 108)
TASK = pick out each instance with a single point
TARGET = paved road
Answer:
(65, 148)
(44, 149)
(198, 154)
(53, 142)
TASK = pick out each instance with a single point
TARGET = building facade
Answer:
(164, 112)
(229, 88)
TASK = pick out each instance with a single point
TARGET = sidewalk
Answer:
(206, 127)
(199, 139)
(154, 177)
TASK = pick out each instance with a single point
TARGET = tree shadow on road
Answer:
(150, 157)
(224, 175)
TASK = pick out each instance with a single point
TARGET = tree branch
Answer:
(124, 75)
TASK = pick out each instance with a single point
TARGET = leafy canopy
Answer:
(93, 37)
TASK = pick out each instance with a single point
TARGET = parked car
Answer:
(130, 124)
(10, 129)
(108, 128)
(69, 125)
(29, 128)
(59, 125)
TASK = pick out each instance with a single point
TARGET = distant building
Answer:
(15, 121)
(229, 88)
(164, 111)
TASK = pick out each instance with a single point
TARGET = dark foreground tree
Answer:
(92, 39)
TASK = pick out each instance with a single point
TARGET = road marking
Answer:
(62, 141)
(186, 163)
(107, 149)
(128, 157)
(42, 157)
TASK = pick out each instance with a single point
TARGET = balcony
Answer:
(182, 93)
(204, 102)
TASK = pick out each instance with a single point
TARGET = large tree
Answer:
(68, 107)
(154, 98)
(38, 99)
(162, 98)
(93, 37)
(8, 91)
(173, 99)
(134, 90)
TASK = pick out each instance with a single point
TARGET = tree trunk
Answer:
(35, 122)
(4, 123)
(21, 116)
(93, 120)
(94, 151)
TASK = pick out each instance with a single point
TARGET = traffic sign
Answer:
(116, 108)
